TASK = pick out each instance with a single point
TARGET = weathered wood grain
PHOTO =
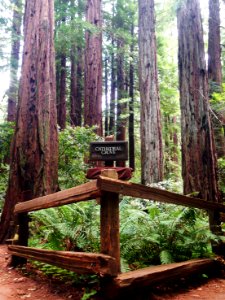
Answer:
(79, 262)
(150, 193)
(110, 226)
(152, 275)
(82, 192)
(110, 232)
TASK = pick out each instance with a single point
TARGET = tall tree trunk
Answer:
(151, 135)
(121, 92)
(215, 73)
(62, 93)
(62, 80)
(76, 78)
(80, 88)
(14, 60)
(73, 87)
(214, 47)
(93, 67)
(106, 98)
(34, 150)
(131, 107)
(112, 93)
(198, 151)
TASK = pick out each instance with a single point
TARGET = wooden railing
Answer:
(107, 262)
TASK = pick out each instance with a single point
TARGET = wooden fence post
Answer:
(110, 236)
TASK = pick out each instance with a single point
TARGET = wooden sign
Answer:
(106, 151)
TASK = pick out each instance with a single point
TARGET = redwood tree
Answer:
(34, 150)
(214, 46)
(215, 72)
(61, 107)
(93, 67)
(198, 153)
(14, 60)
(151, 135)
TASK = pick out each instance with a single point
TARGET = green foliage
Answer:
(6, 133)
(74, 145)
(153, 233)
(221, 175)
(217, 100)
(72, 227)
(88, 294)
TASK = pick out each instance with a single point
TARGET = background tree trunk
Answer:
(214, 47)
(34, 150)
(73, 87)
(14, 61)
(106, 96)
(93, 67)
(62, 93)
(131, 106)
(215, 73)
(198, 151)
(151, 135)
(112, 93)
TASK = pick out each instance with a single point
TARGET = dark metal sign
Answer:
(105, 151)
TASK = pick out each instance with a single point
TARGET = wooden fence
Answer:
(107, 262)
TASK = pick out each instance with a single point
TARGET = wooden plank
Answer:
(110, 225)
(79, 262)
(152, 275)
(156, 194)
(82, 192)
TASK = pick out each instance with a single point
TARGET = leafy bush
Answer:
(6, 133)
(73, 149)
(221, 175)
(72, 227)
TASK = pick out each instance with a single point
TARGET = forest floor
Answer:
(15, 285)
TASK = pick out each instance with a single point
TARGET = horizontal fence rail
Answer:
(79, 262)
(155, 194)
(79, 193)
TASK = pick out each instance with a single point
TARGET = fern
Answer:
(166, 257)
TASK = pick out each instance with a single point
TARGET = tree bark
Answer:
(62, 93)
(14, 61)
(151, 135)
(131, 107)
(214, 47)
(73, 86)
(112, 93)
(198, 150)
(93, 67)
(106, 97)
(215, 73)
(34, 150)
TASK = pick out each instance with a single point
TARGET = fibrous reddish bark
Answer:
(34, 150)
(93, 67)
(151, 135)
(214, 47)
(198, 151)
(215, 73)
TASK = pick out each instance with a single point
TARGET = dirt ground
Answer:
(14, 286)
